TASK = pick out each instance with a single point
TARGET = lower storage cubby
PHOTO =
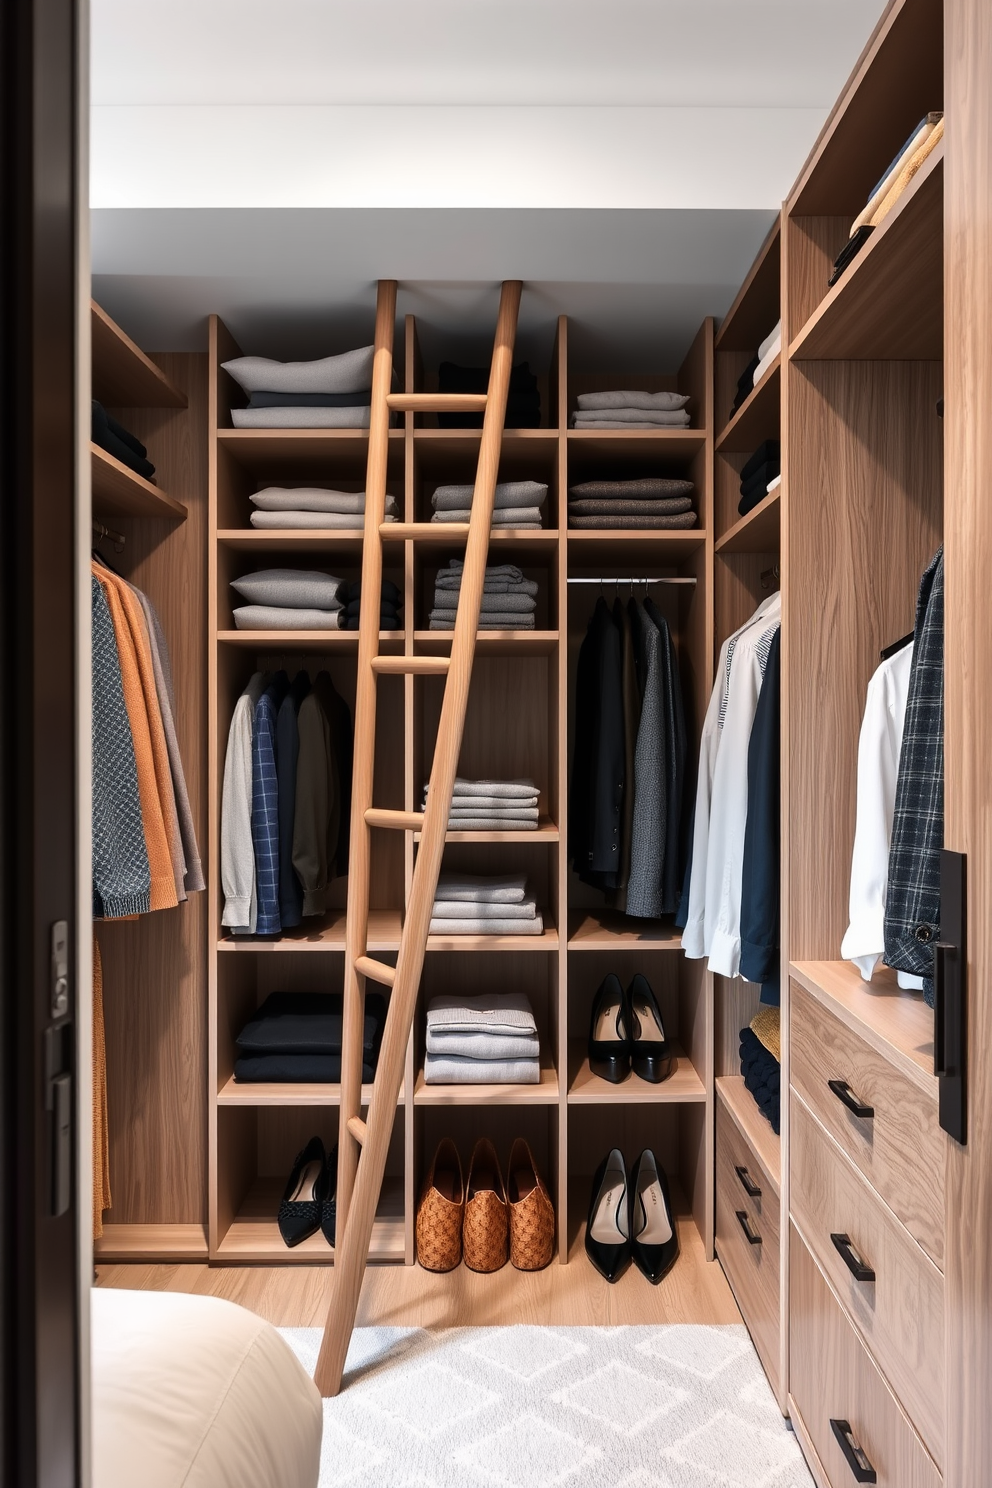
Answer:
(747, 1235)
(842, 1407)
(256, 1148)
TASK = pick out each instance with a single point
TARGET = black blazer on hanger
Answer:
(598, 778)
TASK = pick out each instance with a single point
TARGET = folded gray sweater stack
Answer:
(631, 410)
(508, 599)
(313, 507)
(517, 504)
(486, 1040)
(290, 599)
(473, 904)
(493, 806)
(332, 393)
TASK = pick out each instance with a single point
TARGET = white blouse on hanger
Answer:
(879, 748)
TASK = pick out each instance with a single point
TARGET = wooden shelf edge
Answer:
(742, 1108)
(590, 930)
(151, 1242)
(120, 492)
(438, 534)
(682, 1088)
(285, 1093)
(896, 1023)
(654, 436)
(757, 395)
(135, 381)
(544, 1093)
(547, 831)
(546, 942)
(748, 533)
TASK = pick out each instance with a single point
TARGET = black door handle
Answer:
(854, 1455)
(747, 1183)
(753, 1238)
(852, 1260)
(847, 1098)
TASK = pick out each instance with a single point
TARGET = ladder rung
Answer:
(357, 1127)
(425, 666)
(395, 821)
(437, 402)
(377, 970)
(442, 533)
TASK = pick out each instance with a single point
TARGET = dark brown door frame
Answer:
(39, 248)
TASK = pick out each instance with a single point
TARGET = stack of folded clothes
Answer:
(761, 474)
(631, 503)
(493, 806)
(889, 188)
(472, 904)
(119, 442)
(296, 507)
(290, 599)
(523, 404)
(296, 1037)
(761, 1062)
(631, 410)
(333, 393)
(517, 503)
(508, 599)
(759, 364)
(390, 606)
(486, 1040)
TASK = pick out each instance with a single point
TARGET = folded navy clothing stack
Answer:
(645, 503)
(119, 442)
(509, 600)
(761, 474)
(516, 503)
(762, 1076)
(296, 1037)
(630, 409)
(332, 393)
(390, 606)
(523, 404)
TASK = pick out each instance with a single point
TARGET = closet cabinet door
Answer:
(833, 1379)
(747, 1237)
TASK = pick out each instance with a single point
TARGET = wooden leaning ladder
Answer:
(362, 1146)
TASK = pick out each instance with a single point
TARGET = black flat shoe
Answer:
(654, 1240)
(300, 1210)
(609, 1032)
(651, 1054)
(607, 1242)
(329, 1203)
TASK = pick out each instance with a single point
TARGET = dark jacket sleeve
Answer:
(760, 890)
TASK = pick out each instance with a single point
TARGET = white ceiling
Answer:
(625, 158)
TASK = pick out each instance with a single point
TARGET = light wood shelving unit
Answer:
(518, 724)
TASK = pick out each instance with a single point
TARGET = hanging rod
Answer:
(117, 538)
(626, 579)
(770, 576)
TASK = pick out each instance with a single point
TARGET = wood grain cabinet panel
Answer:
(832, 1377)
(752, 1266)
(899, 1311)
(899, 1149)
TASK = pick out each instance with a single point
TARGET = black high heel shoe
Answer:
(651, 1054)
(329, 1203)
(607, 1228)
(609, 1031)
(654, 1240)
(300, 1210)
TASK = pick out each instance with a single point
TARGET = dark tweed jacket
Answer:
(912, 901)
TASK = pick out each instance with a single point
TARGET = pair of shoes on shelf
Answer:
(309, 1202)
(482, 1221)
(630, 1218)
(626, 1032)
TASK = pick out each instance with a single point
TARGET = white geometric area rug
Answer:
(679, 1406)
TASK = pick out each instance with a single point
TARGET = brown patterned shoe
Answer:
(484, 1233)
(439, 1214)
(532, 1214)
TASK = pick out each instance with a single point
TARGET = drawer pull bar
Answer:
(752, 1236)
(747, 1183)
(854, 1262)
(854, 1455)
(847, 1098)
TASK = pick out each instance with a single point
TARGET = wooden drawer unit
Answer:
(891, 1289)
(899, 1147)
(747, 1237)
(832, 1378)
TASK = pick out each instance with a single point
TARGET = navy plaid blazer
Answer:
(912, 900)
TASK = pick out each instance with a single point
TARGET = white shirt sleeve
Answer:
(237, 856)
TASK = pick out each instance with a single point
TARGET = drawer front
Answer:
(900, 1148)
(752, 1269)
(900, 1310)
(832, 1377)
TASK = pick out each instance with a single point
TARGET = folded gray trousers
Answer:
(500, 888)
(487, 927)
(486, 1045)
(448, 1069)
(508, 494)
(498, 1012)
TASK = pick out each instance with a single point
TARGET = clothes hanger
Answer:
(907, 640)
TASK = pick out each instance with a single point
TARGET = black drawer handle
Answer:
(854, 1262)
(854, 1455)
(847, 1098)
(747, 1183)
(753, 1238)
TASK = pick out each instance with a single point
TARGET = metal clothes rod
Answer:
(624, 579)
(117, 538)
